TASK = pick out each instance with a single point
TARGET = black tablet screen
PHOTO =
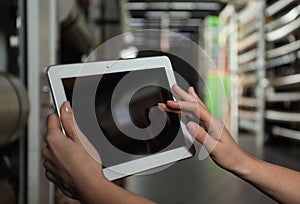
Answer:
(118, 113)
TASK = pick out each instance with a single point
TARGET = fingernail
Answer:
(192, 128)
(67, 106)
(192, 88)
(170, 101)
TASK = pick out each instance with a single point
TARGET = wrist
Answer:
(89, 180)
(91, 188)
(245, 166)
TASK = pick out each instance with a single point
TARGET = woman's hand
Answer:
(213, 135)
(280, 183)
(73, 164)
(68, 159)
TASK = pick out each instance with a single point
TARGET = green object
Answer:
(217, 92)
(212, 21)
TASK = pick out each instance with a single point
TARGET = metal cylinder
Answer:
(74, 27)
(14, 108)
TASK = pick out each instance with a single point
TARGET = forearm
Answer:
(280, 183)
(104, 191)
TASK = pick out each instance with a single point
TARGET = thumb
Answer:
(201, 136)
(68, 120)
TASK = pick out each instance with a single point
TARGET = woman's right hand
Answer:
(280, 183)
(214, 135)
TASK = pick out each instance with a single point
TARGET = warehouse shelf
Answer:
(282, 97)
(248, 125)
(248, 80)
(247, 56)
(248, 30)
(283, 93)
(228, 38)
(248, 42)
(285, 80)
(248, 67)
(249, 115)
(250, 54)
(174, 6)
(282, 60)
(285, 49)
(248, 102)
(282, 116)
(248, 14)
(278, 6)
(287, 18)
(286, 132)
(283, 31)
(268, 75)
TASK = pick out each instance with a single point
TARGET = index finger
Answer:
(182, 94)
(199, 110)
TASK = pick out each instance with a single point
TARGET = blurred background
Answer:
(254, 44)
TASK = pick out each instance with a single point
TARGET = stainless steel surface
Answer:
(14, 108)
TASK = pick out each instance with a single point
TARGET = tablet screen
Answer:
(128, 123)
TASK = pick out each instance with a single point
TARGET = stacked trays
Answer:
(251, 50)
(283, 69)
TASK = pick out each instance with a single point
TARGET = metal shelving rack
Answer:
(282, 69)
(228, 35)
(268, 73)
(250, 72)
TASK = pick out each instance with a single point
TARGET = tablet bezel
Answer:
(58, 72)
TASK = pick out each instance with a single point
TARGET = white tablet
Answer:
(115, 106)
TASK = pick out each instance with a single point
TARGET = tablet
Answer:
(115, 106)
